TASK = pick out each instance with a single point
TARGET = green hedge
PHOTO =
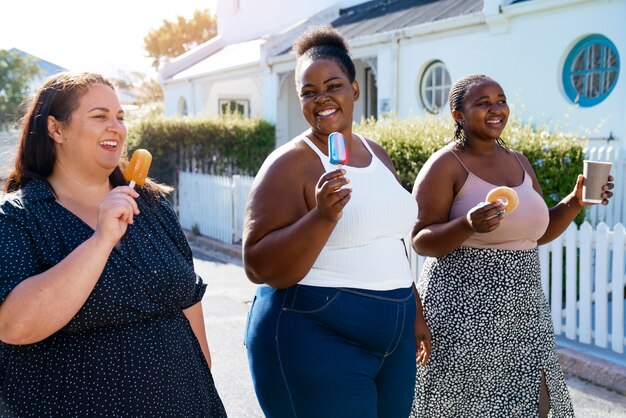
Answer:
(227, 146)
(236, 145)
(556, 158)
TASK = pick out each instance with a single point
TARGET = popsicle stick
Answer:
(131, 184)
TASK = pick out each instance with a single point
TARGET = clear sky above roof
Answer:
(105, 37)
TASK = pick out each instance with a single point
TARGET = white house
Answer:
(557, 60)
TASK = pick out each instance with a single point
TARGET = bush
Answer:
(223, 146)
(409, 142)
(556, 158)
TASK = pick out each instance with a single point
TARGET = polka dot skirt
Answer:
(129, 351)
(492, 337)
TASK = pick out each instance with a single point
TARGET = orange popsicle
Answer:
(137, 169)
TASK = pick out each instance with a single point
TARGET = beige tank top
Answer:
(519, 230)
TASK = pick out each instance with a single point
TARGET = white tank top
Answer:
(365, 250)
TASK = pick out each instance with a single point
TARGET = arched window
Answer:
(182, 107)
(435, 86)
(591, 70)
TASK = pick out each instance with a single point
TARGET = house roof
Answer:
(229, 57)
(47, 68)
(365, 19)
(379, 16)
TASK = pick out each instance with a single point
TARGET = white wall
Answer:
(172, 92)
(244, 88)
(203, 94)
(290, 119)
(241, 20)
(527, 60)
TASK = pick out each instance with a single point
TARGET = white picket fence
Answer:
(582, 271)
(615, 212)
(214, 205)
(582, 275)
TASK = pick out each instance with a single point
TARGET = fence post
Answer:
(234, 196)
(617, 287)
(570, 281)
(585, 236)
(602, 257)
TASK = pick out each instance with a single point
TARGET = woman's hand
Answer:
(423, 340)
(485, 218)
(606, 193)
(115, 212)
(330, 194)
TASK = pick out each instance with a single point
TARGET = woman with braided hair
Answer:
(336, 327)
(493, 342)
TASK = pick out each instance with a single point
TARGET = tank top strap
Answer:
(458, 158)
(367, 146)
(518, 160)
(323, 157)
(313, 147)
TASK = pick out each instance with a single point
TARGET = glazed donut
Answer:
(506, 195)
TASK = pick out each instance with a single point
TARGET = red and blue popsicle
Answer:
(337, 148)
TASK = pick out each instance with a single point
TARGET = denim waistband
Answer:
(394, 295)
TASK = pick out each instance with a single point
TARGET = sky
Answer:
(105, 37)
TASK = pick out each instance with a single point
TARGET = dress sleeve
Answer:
(200, 288)
(18, 255)
(175, 231)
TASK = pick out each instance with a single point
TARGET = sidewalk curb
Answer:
(231, 250)
(597, 371)
(603, 373)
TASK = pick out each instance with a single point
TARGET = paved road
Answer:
(226, 304)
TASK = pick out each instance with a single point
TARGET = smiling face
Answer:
(484, 112)
(91, 141)
(326, 96)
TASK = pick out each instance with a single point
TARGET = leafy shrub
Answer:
(556, 158)
(223, 146)
(409, 142)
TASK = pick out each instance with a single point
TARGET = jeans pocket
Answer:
(310, 299)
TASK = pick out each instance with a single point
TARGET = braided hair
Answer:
(324, 42)
(457, 94)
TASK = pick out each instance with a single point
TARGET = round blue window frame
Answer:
(571, 92)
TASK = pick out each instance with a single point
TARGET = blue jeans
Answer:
(318, 352)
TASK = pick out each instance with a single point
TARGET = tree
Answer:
(174, 38)
(16, 72)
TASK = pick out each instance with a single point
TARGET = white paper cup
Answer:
(596, 175)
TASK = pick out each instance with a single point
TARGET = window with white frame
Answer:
(591, 70)
(234, 107)
(434, 87)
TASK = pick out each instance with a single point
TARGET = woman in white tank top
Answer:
(336, 327)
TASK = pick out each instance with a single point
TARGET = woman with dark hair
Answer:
(493, 343)
(100, 310)
(333, 331)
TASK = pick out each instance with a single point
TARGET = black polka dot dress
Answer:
(492, 336)
(129, 351)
